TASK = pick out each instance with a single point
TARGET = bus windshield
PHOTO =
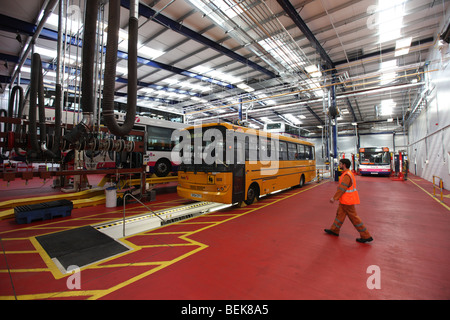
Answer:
(374, 156)
(200, 151)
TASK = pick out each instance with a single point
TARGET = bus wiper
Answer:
(222, 163)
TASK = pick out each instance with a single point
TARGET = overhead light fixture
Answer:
(121, 70)
(402, 46)
(390, 120)
(149, 53)
(292, 118)
(302, 116)
(354, 124)
(245, 87)
(387, 107)
(266, 120)
(388, 74)
(313, 70)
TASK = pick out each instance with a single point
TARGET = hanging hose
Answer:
(35, 93)
(57, 135)
(7, 128)
(110, 68)
(12, 100)
(87, 71)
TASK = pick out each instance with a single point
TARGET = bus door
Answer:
(238, 169)
(238, 182)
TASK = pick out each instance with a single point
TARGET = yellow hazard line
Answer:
(441, 203)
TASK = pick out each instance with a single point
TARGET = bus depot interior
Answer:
(141, 140)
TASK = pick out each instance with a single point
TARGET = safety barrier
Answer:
(441, 186)
(124, 202)
(322, 172)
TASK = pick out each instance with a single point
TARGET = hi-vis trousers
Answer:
(345, 210)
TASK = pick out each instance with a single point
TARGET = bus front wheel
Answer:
(162, 167)
(252, 194)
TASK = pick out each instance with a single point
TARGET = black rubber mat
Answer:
(80, 246)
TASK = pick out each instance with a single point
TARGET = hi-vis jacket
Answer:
(346, 192)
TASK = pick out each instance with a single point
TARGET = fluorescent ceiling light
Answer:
(211, 73)
(230, 8)
(387, 78)
(281, 52)
(149, 53)
(245, 87)
(402, 46)
(388, 65)
(73, 23)
(354, 124)
(292, 118)
(266, 120)
(314, 85)
(388, 74)
(387, 107)
(313, 71)
(121, 70)
(219, 11)
(302, 116)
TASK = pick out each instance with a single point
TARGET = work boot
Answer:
(361, 240)
(331, 232)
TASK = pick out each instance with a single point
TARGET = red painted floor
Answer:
(274, 249)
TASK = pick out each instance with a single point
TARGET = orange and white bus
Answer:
(225, 163)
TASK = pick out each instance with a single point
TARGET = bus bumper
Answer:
(212, 196)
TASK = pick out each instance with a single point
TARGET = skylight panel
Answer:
(402, 46)
(390, 15)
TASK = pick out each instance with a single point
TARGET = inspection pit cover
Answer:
(80, 246)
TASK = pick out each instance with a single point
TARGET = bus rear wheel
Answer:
(252, 194)
(162, 167)
(302, 181)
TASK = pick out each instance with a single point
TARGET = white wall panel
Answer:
(429, 134)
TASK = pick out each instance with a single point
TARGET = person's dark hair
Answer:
(346, 162)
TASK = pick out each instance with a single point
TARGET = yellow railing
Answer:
(441, 187)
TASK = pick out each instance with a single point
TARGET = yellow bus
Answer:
(225, 163)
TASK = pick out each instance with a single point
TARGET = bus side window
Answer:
(308, 153)
(292, 151)
(265, 149)
(283, 151)
(251, 148)
(301, 151)
(159, 139)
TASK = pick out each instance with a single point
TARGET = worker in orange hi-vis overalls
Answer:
(348, 197)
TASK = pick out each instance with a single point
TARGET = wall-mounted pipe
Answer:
(110, 68)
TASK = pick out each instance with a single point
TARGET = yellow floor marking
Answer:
(438, 201)
(185, 237)
(96, 294)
